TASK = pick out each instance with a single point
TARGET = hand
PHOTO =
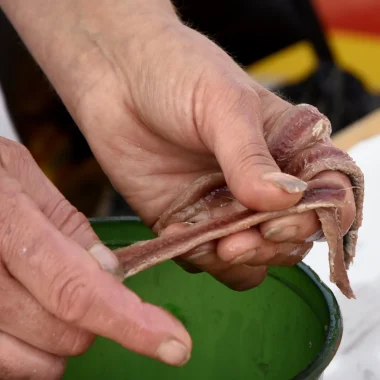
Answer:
(57, 290)
(178, 108)
(161, 105)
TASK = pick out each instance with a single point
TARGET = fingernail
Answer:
(286, 182)
(244, 257)
(107, 260)
(173, 352)
(281, 234)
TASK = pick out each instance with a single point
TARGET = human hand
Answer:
(57, 291)
(181, 108)
(161, 105)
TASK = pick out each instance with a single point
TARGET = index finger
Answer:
(72, 286)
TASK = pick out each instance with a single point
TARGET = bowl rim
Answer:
(334, 334)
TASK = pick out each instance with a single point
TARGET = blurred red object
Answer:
(359, 16)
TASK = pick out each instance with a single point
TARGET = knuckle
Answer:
(223, 98)
(238, 97)
(19, 239)
(59, 212)
(77, 227)
(11, 152)
(68, 219)
(248, 98)
(70, 296)
(253, 152)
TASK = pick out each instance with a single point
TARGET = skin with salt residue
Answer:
(301, 145)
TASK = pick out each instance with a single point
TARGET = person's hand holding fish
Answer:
(161, 107)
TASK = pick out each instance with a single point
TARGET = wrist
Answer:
(70, 39)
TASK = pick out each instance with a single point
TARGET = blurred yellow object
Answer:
(358, 53)
(287, 66)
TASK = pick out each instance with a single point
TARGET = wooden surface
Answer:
(363, 129)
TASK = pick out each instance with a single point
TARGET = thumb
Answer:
(234, 133)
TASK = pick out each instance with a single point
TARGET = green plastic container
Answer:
(288, 328)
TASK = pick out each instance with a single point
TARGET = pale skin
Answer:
(160, 106)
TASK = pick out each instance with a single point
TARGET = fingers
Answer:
(246, 247)
(266, 245)
(295, 228)
(70, 284)
(18, 163)
(237, 277)
(233, 130)
(272, 106)
(205, 258)
(24, 318)
(306, 227)
(21, 361)
(240, 260)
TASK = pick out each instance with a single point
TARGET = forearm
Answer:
(65, 37)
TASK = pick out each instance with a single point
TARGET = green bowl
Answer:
(289, 327)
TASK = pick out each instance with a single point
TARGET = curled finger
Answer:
(245, 247)
(18, 360)
(24, 318)
(205, 258)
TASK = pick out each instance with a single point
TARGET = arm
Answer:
(67, 37)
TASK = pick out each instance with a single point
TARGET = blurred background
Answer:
(322, 52)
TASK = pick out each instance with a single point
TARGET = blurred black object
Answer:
(336, 93)
(248, 30)
(253, 29)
